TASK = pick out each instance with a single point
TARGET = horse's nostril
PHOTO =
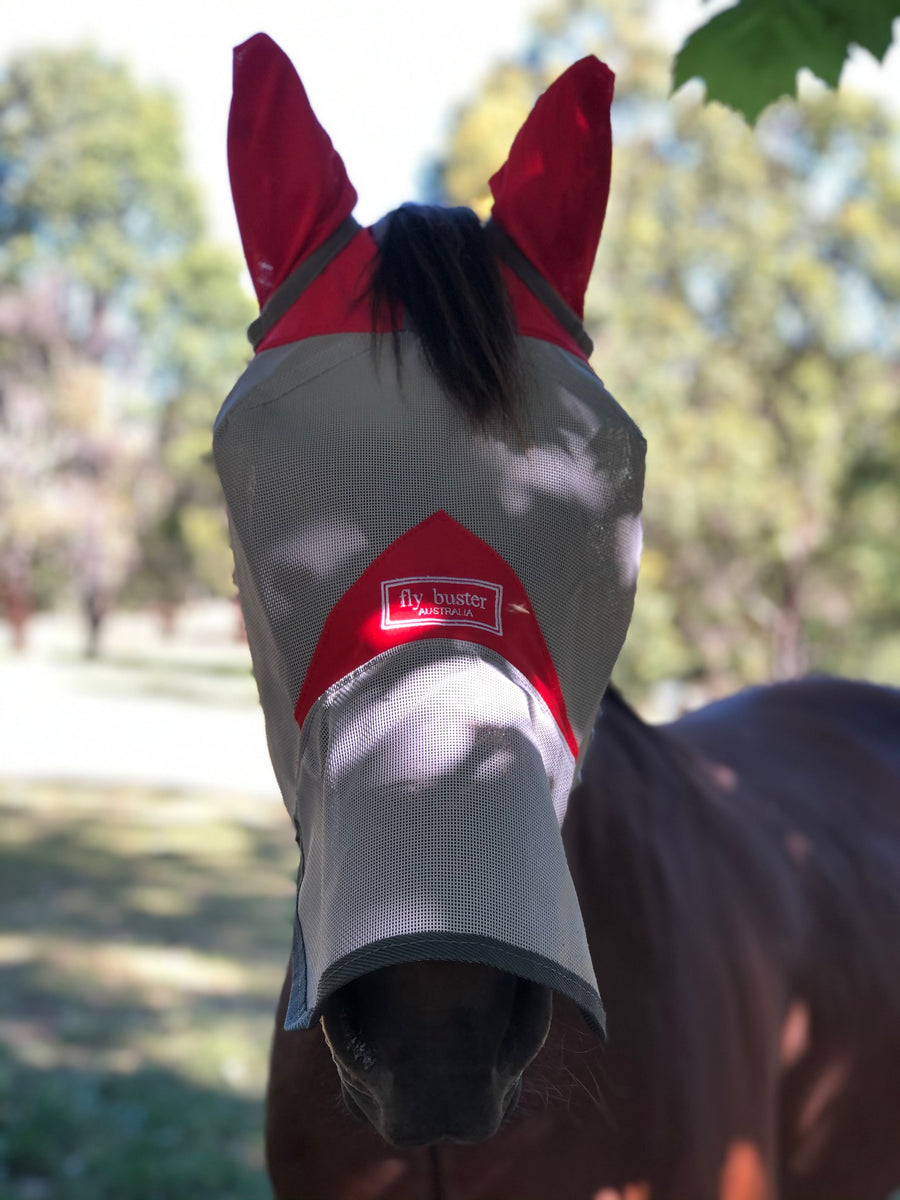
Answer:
(359, 1052)
(343, 1032)
(529, 1025)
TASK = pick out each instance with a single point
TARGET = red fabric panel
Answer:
(291, 192)
(289, 184)
(394, 602)
(550, 195)
(336, 302)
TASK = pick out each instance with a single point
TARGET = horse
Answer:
(739, 875)
(437, 560)
(434, 506)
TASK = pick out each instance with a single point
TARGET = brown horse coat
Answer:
(739, 876)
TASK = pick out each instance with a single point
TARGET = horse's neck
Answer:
(684, 843)
(683, 905)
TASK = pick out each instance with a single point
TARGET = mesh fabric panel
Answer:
(426, 802)
(428, 785)
(324, 463)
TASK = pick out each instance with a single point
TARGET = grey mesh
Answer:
(427, 787)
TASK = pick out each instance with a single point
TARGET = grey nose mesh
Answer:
(436, 834)
(428, 783)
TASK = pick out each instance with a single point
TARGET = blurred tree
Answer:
(195, 315)
(749, 55)
(745, 309)
(120, 331)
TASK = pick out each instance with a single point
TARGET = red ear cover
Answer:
(550, 195)
(289, 184)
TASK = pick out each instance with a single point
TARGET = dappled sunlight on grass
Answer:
(157, 975)
(144, 937)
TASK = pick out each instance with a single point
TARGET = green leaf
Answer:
(868, 23)
(749, 55)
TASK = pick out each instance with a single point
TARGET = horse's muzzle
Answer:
(435, 1052)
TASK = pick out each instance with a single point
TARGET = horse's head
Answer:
(435, 1051)
(434, 596)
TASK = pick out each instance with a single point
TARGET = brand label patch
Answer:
(441, 600)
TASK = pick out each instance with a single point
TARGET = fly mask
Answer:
(433, 607)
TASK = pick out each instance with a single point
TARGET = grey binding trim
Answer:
(500, 242)
(299, 280)
(449, 946)
(504, 247)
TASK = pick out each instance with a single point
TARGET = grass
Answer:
(143, 939)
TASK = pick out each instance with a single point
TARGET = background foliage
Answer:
(120, 332)
(749, 55)
(744, 307)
